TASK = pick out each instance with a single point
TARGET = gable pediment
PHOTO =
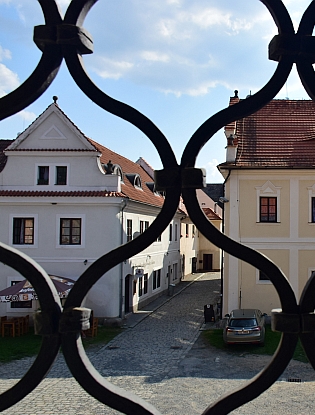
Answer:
(52, 130)
(268, 189)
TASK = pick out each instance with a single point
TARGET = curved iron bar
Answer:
(51, 307)
(71, 342)
(251, 104)
(44, 73)
(307, 307)
(76, 68)
(304, 66)
(75, 356)
(270, 373)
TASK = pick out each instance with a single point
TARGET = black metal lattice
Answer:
(64, 38)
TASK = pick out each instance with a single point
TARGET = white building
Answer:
(60, 207)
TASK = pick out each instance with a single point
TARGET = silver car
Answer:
(245, 326)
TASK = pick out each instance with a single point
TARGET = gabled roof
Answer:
(135, 178)
(52, 108)
(280, 135)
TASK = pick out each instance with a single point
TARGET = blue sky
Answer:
(176, 61)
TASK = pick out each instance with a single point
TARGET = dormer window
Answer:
(151, 186)
(135, 180)
(43, 175)
(111, 168)
(118, 171)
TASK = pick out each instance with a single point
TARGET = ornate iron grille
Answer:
(64, 38)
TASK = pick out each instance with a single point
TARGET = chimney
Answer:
(231, 149)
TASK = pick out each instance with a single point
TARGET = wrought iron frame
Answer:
(64, 38)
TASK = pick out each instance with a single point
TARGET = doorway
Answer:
(207, 262)
(128, 280)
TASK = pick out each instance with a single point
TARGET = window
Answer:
(268, 209)
(20, 304)
(129, 230)
(145, 284)
(268, 203)
(313, 209)
(263, 276)
(175, 232)
(187, 230)
(156, 281)
(170, 232)
(70, 231)
(23, 231)
(144, 225)
(43, 175)
(193, 231)
(61, 175)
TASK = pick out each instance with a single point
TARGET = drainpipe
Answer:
(223, 215)
(121, 296)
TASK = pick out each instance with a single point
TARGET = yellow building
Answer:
(270, 200)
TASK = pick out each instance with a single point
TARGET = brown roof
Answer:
(280, 135)
(145, 194)
(3, 159)
(211, 215)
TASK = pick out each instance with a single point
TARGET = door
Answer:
(207, 262)
(128, 280)
(193, 265)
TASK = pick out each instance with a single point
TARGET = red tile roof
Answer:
(144, 195)
(3, 158)
(280, 135)
(211, 215)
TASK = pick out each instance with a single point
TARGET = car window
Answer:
(244, 322)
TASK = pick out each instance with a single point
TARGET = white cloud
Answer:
(111, 69)
(4, 54)
(8, 80)
(154, 56)
(27, 115)
(213, 174)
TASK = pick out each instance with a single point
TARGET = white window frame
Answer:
(70, 216)
(261, 282)
(23, 215)
(52, 174)
(267, 190)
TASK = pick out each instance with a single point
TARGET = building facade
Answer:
(66, 200)
(270, 193)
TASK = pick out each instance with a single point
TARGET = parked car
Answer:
(245, 326)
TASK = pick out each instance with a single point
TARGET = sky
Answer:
(176, 61)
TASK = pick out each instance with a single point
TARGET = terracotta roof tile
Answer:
(3, 158)
(280, 135)
(144, 195)
(211, 215)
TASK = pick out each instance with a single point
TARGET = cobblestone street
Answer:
(161, 359)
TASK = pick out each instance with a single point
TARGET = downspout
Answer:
(121, 296)
(223, 211)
